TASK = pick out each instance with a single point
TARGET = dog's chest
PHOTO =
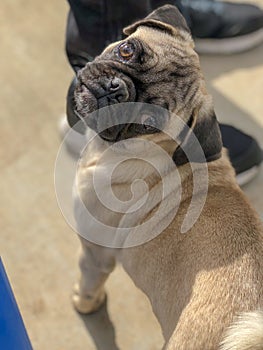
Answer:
(115, 190)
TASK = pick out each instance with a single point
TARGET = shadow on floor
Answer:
(101, 329)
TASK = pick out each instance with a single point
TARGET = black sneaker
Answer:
(244, 152)
(223, 27)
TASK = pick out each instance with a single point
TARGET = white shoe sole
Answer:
(248, 175)
(230, 45)
(74, 141)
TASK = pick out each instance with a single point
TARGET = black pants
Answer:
(93, 24)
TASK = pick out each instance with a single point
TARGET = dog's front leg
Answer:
(96, 263)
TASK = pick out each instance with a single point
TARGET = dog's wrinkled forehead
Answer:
(166, 18)
(159, 34)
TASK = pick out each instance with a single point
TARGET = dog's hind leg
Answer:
(96, 263)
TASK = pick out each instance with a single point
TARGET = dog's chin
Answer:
(108, 138)
(117, 133)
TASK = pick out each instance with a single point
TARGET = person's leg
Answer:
(217, 26)
(94, 23)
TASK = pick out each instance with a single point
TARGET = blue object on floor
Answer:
(13, 335)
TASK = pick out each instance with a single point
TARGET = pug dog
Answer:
(205, 285)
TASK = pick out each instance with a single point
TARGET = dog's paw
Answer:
(86, 304)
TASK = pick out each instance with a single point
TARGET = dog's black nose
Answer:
(114, 84)
(115, 92)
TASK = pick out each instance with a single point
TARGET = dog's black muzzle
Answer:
(100, 86)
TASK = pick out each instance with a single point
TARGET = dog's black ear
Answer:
(167, 18)
(203, 132)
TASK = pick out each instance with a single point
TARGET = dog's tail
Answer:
(246, 333)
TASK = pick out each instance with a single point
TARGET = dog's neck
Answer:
(135, 159)
(122, 187)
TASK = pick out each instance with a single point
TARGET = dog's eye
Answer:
(126, 51)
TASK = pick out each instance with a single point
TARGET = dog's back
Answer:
(200, 281)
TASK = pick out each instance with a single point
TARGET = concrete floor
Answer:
(38, 248)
